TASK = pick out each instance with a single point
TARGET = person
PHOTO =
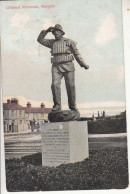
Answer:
(63, 51)
(38, 126)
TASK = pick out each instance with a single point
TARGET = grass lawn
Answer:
(106, 168)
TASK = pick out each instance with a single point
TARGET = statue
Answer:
(63, 51)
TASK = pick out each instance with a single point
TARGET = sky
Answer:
(95, 25)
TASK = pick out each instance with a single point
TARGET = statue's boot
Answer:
(56, 108)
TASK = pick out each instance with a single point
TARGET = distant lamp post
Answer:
(98, 115)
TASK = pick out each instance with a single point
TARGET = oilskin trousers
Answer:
(69, 77)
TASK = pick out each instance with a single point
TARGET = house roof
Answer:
(37, 110)
(14, 106)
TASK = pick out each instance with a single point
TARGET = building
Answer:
(36, 115)
(17, 118)
(14, 116)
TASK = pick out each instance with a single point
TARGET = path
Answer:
(22, 144)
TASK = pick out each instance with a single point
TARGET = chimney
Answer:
(8, 101)
(28, 104)
(14, 100)
(103, 114)
(42, 105)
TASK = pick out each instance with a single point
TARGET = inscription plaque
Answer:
(59, 142)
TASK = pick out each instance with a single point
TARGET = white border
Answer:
(126, 32)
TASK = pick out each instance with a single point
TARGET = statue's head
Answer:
(57, 31)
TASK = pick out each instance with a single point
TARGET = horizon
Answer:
(110, 108)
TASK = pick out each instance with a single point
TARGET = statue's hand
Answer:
(86, 66)
(49, 29)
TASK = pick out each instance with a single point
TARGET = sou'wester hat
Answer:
(58, 27)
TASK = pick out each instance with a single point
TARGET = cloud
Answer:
(101, 104)
(110, 108)
(106, 31)
(87, 105)
(19, 20)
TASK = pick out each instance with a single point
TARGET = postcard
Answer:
(63, 95)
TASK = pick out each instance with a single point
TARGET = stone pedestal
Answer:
(64, 142)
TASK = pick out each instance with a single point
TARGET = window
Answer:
(20, 112)
(20, 122)
(13, 121)
(27, 115)
(36, 115)
(42, 115)
(12, 113)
